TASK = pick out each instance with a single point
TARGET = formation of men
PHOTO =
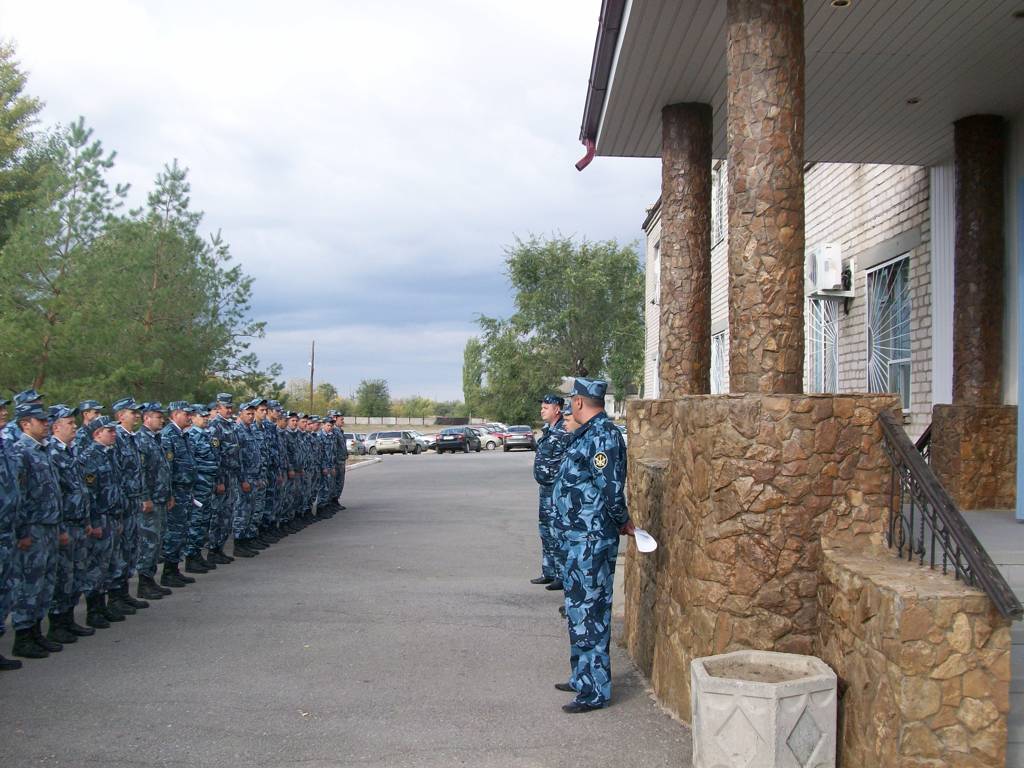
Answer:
(86, 507)
(582, 511)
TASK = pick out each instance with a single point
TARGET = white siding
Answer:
(943, 215)
(1014, 238)
(652, 308)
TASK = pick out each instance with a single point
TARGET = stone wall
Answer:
(745, 503)
(974, 454)
(923, 663)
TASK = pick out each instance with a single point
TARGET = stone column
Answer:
(765, 62)
(685, 301)
(979, 148)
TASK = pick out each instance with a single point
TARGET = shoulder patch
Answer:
(169, 455)
(601, 460)
(90, 479)
(215, 442)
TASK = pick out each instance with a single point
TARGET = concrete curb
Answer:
(368, 462)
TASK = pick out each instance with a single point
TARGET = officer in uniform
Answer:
(88, 410)
(268, 430)
(10, 501)
(156, 478)
(339, 430)
(329, 467)
(254, 532)
(71, 556)
(224, 438)
(546, 460)
(589, 495)
(11, 431)
(129, 467)
(4, 415)
(105, 504)
(183, 477)
(294, 481)
(207, 466)
(37, 531)
(250, 468)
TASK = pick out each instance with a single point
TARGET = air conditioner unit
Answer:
(823, 269)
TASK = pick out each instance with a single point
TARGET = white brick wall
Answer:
(651, 309)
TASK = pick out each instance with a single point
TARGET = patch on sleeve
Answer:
(215, 443)
(90, 479)
(601, 460)
(170, 455)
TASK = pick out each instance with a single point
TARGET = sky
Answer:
(369, 163)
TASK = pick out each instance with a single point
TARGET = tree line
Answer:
(371, 398)
(100, 300)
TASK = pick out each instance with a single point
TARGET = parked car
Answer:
(391, 442)
(622, 429)
(431, 441)
(464, 439)
(356, 444)
(489, 438)
(422, 443)
(520, 436)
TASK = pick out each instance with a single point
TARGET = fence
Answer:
(390, 421)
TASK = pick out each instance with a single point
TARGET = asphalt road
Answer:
(403, 632)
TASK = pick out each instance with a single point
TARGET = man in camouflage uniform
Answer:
(183, 477)
(268, 429)
(106, 501)
(329, 468)
(71, 557)
(156, 478)
(88, 410)
(4, 416)
(546, 461)
(129, 465)
(207, 466)
(37, 530)
(254, 534)
(10, 500)
(589, 494)
(281, 494)
(11, 430)
(250, 473)
(224, 438)
(294, 481)
(342, 457)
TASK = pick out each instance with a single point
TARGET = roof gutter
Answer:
(608, 28)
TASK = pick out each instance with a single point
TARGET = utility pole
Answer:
(312, 367)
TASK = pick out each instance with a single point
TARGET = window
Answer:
(719, 212)
(823, 340)
(718, 383)
(888, 329)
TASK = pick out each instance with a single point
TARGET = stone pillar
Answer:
(979, 148)
(765, 62)
(685, 301)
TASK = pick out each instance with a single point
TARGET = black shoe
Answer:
(242, 550)
(59, 633)
(195, 565)
(76, 629)
(270, 536)
(555, 586)
(575, 708)
(94, 616)
(44, 642)
(541, 580)
(565, 687)
(109, 609)
(26, 646)
(8, 665)
(116, 602)
(171, 578)
(218, 558)
(148, 590)
(342, 507)
(255, 544)
(125, 597)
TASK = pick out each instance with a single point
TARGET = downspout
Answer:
(585, 160)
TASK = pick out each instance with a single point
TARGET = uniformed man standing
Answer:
(37, 532)
(207, 466)
(339, 428)
(224, 437)
(71, 556)
(88, 410)
(156, 477)
(105, 504)
(10, 501)
(250, 469)
(129, 466)
(589, 494)
(183, 477)
(546, 460)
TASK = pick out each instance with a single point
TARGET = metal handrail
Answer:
(924, 444)
(925, 521)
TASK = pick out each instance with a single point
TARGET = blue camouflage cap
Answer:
(198, 409)
(211, 406)
(251, 404)
(589, 388)
(27, 396)
(154, 407)
(4, 402)
(567, 408)
(89, 405)
(178, 405)
(61, 411)
(30, 410)
(225, 398)
(256, 402)
(552, 399)
(275, 404)
(100, 422)
(126, 404)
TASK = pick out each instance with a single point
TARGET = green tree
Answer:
(414, 407)
(373, 398)
(472, 374)
(519, 371)
(22, 159)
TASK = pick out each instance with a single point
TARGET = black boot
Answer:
(555, 585)
(76, 629)
(95, 617)
(242, 549)
(195, 565)
(125, 597)
(219, 558)
(26, 646)
(148, 590)
(210, 565)
(8, 665)
(44, 642)
(255, 543)
(59, 632)
(108, 607)
(170, 577)
(115, 600)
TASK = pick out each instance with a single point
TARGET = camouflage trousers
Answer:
(550, 555)
(589, 576)
(151, 536)
(6, 577)
(242, 518)
(97, 559)
(270, 498)
(35, 570)
(221, 509)
(116, 566)
(128, 545)
(259, 500)
(176, 527)
(71, 564)
(340, 478)
(198, 522)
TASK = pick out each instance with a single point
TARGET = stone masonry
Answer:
(974, 454)
(765, 131)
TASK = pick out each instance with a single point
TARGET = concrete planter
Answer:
(760, 709)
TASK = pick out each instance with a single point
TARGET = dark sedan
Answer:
(461, 439)
(520, 436)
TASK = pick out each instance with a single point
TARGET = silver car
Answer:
(489, 440)
(392, 442)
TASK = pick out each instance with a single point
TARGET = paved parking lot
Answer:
(403, 632)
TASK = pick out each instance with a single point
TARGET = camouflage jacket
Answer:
(156, 469)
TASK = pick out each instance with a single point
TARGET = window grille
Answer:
(718, 383)
(719, 213)
(888, 329)
(823, 340)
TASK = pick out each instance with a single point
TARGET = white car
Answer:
(489, 440)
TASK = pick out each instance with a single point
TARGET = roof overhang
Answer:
(884, 81)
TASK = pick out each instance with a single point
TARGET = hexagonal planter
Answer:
(760, 709)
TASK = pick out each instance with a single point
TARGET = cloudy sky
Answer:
(367, 162)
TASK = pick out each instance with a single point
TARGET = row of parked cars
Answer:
(464, 439)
